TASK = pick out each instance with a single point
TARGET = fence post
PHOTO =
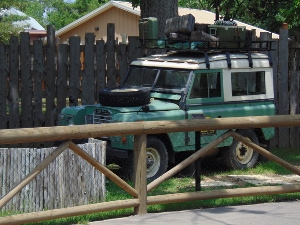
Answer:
(50, 77)
(101, 66)
(197, 162)
(140, 172)
(38, 75)
(294, 88)
(75, 66)
(88, 87)
(13, 98)
(61, 82)
(3, 79)
(111, 60)
(26, 81)
(283, 98)
(123, 61)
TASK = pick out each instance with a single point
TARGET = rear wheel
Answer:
(239, 155)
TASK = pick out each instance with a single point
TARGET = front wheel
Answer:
(239, 155)
(156, 158)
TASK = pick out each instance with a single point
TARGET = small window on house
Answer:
(248, 83)
(206, 85)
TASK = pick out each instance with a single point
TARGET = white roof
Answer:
(196, 62)
(201, 16)
(28, 24)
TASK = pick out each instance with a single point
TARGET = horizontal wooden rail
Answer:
(67, 212)
(227, 193)
(28, 135)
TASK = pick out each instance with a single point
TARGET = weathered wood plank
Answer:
(101, 66)
(294, 106)
(283, 95)
(75, 66)
(123, 62)
(13, 98)
(50, 77)
(38, 75)
(26, 81)
(61, 83)
(134, 50)
(274, 55)
(88, 81)
(3, 89)
(294, 55)
(111, 58)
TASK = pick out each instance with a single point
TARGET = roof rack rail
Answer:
(207, 46)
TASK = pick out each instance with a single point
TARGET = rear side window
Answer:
(206, 85)
(248, 83)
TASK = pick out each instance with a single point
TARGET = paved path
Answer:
(267, 214)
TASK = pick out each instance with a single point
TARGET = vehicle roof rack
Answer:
(206, 47)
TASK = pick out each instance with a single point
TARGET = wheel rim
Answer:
(153, 162)
(243, 153)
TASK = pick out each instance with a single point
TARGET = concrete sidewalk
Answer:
(267, 214)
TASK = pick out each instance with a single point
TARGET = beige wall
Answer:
(125, 23)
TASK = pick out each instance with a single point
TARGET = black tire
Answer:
(240, 156)
(124, 97)
(188, 171)
(157, 158)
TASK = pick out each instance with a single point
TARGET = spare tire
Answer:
(124, 97)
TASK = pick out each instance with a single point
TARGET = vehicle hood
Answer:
(155, 105)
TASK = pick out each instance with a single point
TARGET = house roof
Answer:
(28, 24)
(201, 16)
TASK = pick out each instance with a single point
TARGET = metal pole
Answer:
(197, 162)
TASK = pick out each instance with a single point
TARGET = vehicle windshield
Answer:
(161, 80)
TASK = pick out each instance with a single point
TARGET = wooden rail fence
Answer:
(140, 200)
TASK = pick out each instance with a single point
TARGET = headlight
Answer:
(89, 119)
(71, 121)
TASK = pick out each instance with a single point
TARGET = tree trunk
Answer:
(162, 10)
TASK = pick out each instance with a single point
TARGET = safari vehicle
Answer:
(179, 86)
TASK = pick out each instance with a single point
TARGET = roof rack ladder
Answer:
(207, 61)
(250, 60)
(228, 60)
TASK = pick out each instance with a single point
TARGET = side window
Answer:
(248, 83)
(206, 85)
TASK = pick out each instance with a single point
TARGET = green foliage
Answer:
(267, 14)
(63, 13)
(289, 13)
(6, 28)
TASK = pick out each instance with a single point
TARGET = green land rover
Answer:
(185, 85)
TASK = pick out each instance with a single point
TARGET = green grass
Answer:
(182, 185)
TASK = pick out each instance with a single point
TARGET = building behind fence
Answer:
(37, 79)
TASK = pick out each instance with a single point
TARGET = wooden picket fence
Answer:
(68, 181)
(36, 80)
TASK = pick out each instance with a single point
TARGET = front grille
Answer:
(102, 116)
